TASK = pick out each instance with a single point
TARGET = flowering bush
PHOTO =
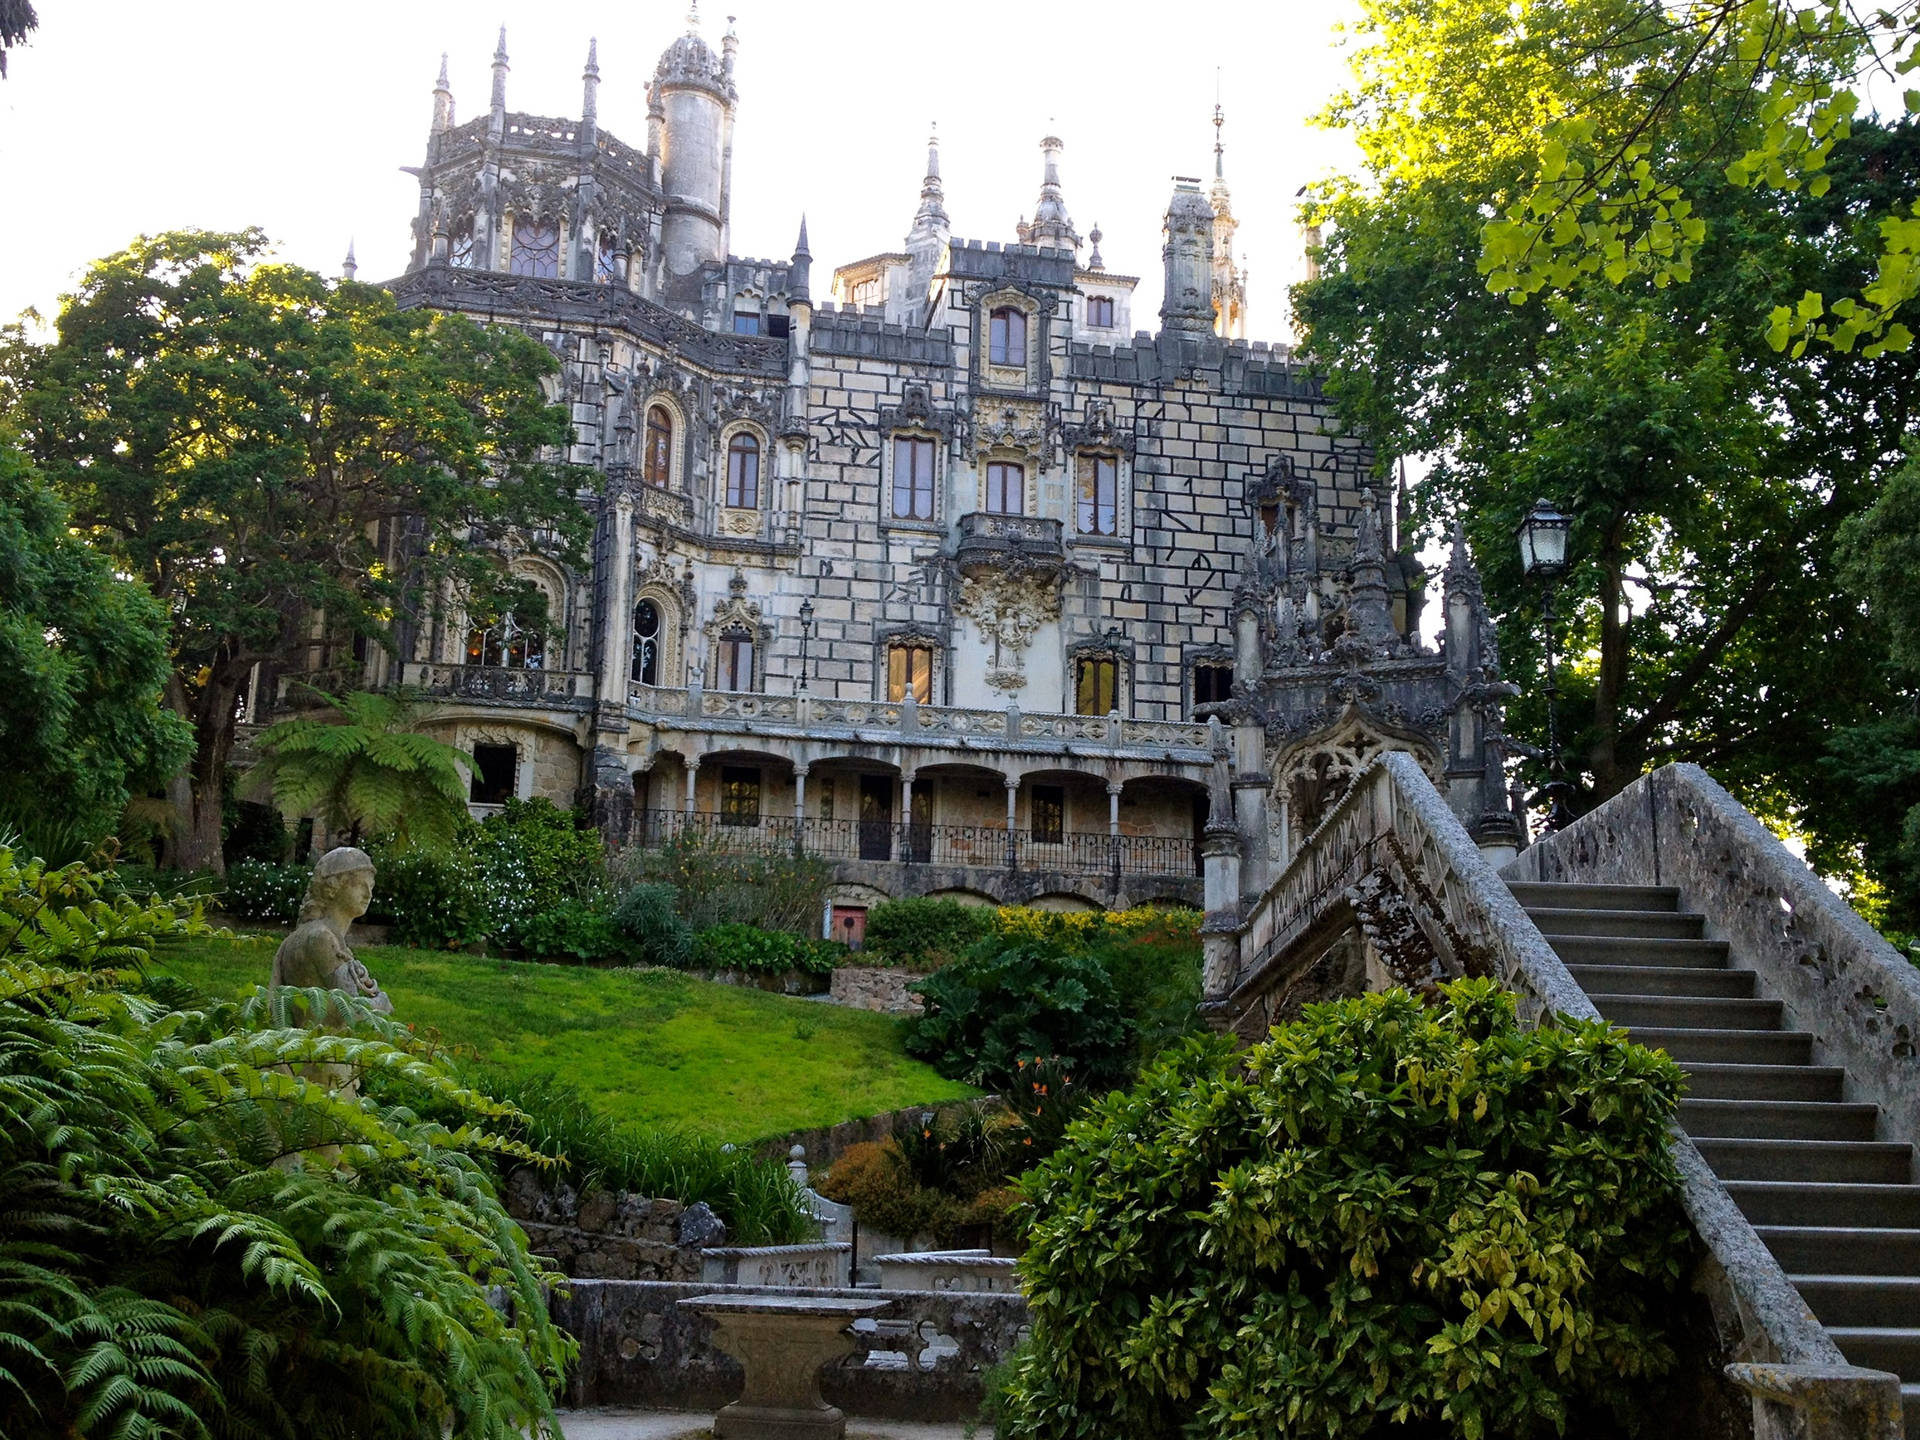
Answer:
(261, 890)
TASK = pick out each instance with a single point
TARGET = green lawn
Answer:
(651, 1046)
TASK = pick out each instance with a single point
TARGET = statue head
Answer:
(342, 886)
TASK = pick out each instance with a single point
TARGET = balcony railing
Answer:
(990, 541)
(985, 846)
(512, 684)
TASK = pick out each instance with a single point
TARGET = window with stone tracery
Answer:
(646, 643)
(1100, 312)
(607, 266)
(1096, 509)
(734, 654)
(1096, 685)
(910, 672)
(460, 251)
(536, 248)
(743, 472)
(1006, 488)
(912, 477)
(657, 460)
(507, 644)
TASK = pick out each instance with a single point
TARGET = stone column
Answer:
(1114, 788)
(1013, 840)
(1250, 786)
(799, 806)
(693, 773)
(906, 815)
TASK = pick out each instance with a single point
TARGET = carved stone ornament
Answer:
(737, 612)
(1024, 429)
(1098, 431)
(1313, 777)
(1009, 609)
(740, 522)
(916, 411)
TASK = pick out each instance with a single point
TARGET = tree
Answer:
(17, 21)
(1610, 117)
(367, 772)
(1707, 473)
(85, 656)
(290, 465)
(178, 1258)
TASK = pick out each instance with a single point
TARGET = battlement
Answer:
(990, 260)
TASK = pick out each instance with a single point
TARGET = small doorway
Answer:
(850, 925)
(876, 817)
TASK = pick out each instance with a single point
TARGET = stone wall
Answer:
(921, 1359)
(609, 1234)
(876, 987)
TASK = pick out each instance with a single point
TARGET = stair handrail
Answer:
(1800, 1382)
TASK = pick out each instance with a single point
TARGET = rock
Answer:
(700, 1228)
(526, 1197)
(596, 1211)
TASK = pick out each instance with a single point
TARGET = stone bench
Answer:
(781, 1341)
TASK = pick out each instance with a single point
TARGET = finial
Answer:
(349, 267)
(443, 83)
(593, 56)
(1219, 163)
(1094, 262)
(693, 17)
(500, 50)
(800, 245)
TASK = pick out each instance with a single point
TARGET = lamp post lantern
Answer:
(1543, 558)
(806, 637)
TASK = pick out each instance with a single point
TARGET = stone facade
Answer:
(943, 578)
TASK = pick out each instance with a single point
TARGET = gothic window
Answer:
(658, 459)
(910, 672)
(1007, 336)
(1006, 488)
(461, 251)
(507, 643)
(1212, 684)
(743, 472)
(1100, 311)
(607, 269)
(646, 643)
(746, 322)
(912, 477)
(735, 668)
(495, 769)
(536, 248)
(1097, 495)
(1049, 814)
(1096, 685)
(739, 795)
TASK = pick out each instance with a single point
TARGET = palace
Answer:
(948, 574)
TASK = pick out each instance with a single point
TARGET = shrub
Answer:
(1383, 1216)
(757, 1198)
(532, 856)
(648, 915)
(1000, 1006)
(941, 1176)
(577, 930)
(1077, 929)
(435, 901)
(871, 1178)
(745, 947)
(261, 890)
(923, 934)
(1156, 972)
(718, 883)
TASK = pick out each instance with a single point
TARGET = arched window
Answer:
(736, 661)
(1006, 488)
(460, 252)
(536, 248)
(507, 643)
(607, 269)
(1096, 508)
(743, 472)
(658, 459)
(1007, 336)
(1100, 312)
(646, 643)
(912, 477)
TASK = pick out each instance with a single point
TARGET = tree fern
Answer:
(196, 1241)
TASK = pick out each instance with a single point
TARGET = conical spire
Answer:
(349, 267)
(497, 102)
(590, 84)
(800, 273)
(930, 220)
(442, 99)
(1051, 225)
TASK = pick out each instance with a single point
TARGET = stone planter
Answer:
(779, 1267)
(973, 1272)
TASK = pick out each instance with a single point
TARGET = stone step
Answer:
(1631, 924)
(1626, 950)
(1881, 1347)
(1694, 980)
(1876, 1300)
(1683, 1012)
(1709, 1081)
(1842, 1249)
(1595, 897)
(1845, 1162)
(1799, 1203)
(1728, 1047)
(1779, 1119)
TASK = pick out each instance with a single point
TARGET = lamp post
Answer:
(1543, 558)
(806, 637)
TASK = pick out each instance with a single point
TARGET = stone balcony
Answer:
(1029, 543)
(503, 685)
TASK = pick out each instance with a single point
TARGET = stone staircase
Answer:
(1838, 1208)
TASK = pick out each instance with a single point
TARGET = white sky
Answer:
(130, 116)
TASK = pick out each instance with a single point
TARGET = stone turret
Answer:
(442, 100)
(1052, 227)
(1188, 258)
(694, 93)
(927, 240)
(1229, 283)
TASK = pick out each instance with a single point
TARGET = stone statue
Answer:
(315, 955)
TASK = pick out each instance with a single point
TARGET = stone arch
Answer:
(668, 647)
(675, 471)
(743, 519)
(1313, 774)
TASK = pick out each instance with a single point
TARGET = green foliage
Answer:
(1156, 975)
(244, 437)
(1383, 1216)
(531, 857)
(257, 890)
(923, 934)
(367, 771)
(438, 901)
(757, 1198)
(649, 916)
(197, 1241)
(255, 832)
(762, 952)
(17, 21)
(1007, 1004)
(84, 653)
(716, 883)
(577, 929)
(944, 1175)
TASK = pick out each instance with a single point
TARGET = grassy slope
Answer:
(649, 1046)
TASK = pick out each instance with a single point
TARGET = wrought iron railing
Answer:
(989, 846)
